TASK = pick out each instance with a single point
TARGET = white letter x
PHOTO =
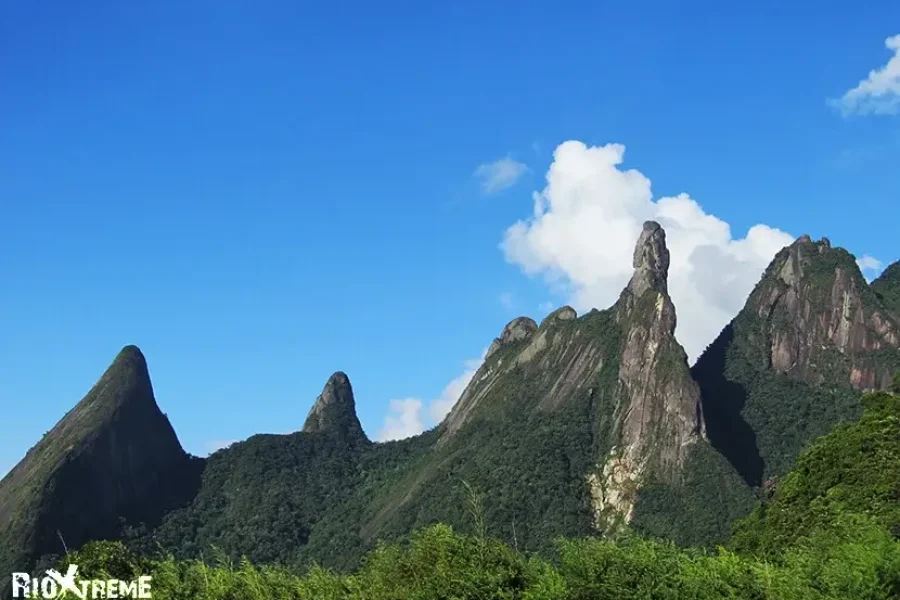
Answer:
(67, 583)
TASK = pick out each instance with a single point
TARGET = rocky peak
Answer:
(815, 303)
(659, 405)
(518, 329)
(334, 409)
(651, 260)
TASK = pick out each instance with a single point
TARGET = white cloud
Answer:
(870, 266)
(404, 419)
(499, 175)
(584, 226)
(411, 416)
(879, 93)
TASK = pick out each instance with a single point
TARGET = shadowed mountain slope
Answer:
(113, 461)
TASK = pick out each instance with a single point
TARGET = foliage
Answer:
(854, 469)
(701, 510)
(887, 287)
(859, 562)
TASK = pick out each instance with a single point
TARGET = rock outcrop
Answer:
(659, 416)
(625, 360)
(113, 460)
(516, 330)
(823, 319)
(334, 411)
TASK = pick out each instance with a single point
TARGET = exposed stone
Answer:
(651, 260)
(808, 317)
(335, 409)
(652, 400)
(564, 313)
(516, 330)
(659, 407)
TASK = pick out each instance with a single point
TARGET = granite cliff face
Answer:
(113, 460)
(658, 412)
(823, 319)
(625, 360)
(789, 366)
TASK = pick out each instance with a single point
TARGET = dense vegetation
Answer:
(887, 287)
(829, 531)
(854, 469)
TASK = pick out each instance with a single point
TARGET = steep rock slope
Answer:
(787, 368)
(112, 461)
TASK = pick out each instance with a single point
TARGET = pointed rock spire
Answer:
(335, 408)
(651, 260)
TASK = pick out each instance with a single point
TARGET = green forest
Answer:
(828, 529)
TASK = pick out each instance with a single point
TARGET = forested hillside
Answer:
(829, 530)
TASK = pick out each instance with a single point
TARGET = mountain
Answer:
(113, 461)
(557, 434)
(788, 368)
(579, 425)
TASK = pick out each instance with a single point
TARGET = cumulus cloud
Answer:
(404, 419)
(412, 416)
(870, 266)
(581, 235)
(879, 93)
(499, 175)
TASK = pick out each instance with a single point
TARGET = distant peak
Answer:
(518, 329)
(803, 239)
(651, 260)
(335, 408)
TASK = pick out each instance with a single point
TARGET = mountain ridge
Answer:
(579, 425)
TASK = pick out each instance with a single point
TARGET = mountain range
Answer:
(580, 425)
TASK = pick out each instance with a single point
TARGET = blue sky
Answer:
(259, 194)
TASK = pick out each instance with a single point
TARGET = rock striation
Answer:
(625, 360)
(823, 319)
(658, 412)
